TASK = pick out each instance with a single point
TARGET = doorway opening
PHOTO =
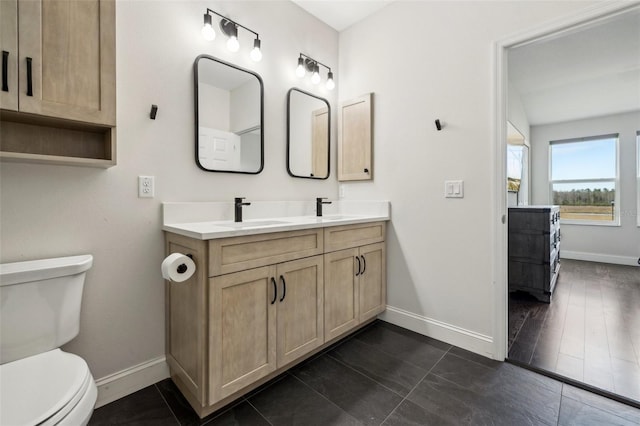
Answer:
(566, 84)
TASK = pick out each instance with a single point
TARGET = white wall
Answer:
(52, 211)
(216, 112)
(619, 244)
(438, 65)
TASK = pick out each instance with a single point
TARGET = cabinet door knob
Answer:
(5, 71)
(275, 290)
(358, 260)
(29, 78)
(284, 288)
(366, 170)
(364, 265)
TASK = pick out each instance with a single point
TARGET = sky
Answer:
(584, 160)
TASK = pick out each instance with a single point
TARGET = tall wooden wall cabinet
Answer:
(58, 97)
(355, 139)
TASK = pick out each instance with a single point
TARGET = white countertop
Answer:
(186, 218)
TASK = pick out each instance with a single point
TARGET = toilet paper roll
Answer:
(177, 267)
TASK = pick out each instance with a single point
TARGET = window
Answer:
(584, 179)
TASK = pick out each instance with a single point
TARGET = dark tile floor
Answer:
(591, 330)
(386, 375)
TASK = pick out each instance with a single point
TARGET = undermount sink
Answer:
(336, 217)
(253, 224)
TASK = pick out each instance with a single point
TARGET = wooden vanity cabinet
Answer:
(355, 271)
(259, 304)
(262, 319)
(59, 100)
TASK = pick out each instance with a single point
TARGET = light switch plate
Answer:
(454, 189)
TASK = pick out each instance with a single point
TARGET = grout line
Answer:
(324, 397)
(560, 406)
(258, 411)
(155, 385)
(365, 375)
(408, 362)
(415, 387)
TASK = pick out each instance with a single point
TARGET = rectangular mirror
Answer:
(308, 135)
(228, 117)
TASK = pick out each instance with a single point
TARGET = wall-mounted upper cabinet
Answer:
(355, 121)
(58, 72)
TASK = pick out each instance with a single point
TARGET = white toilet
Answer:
(39, 312)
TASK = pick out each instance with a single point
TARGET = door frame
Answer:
(584, 18)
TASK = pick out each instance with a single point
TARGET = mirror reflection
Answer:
(308, 130)
(229, 116)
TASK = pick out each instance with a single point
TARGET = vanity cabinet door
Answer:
(373, 287)
(354, 139)
(9, 47)
(300, 316)
(242, 330)
(69, 47)
(340, 292)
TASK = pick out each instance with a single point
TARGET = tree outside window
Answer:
(584, 179)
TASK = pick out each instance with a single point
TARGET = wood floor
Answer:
(591, 330)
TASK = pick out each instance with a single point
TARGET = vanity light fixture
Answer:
(229, 28)
(308, 64)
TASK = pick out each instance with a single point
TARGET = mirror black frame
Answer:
(289, 134)
(197, 121)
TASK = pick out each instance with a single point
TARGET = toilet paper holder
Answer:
(182, 268)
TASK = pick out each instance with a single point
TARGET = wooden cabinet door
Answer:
(70, 46)
(9, 47)
(373, 293)
(354, 139)
(300, 308)
(340, 292)
(242, 330)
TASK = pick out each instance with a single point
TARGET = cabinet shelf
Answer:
(34, 139)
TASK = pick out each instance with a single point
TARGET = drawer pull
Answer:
(358, 260)
(284, 288)
(5, 71)
(29, 78)
(364, 265)
(275, 290)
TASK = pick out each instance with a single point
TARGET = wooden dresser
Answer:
(534, 250)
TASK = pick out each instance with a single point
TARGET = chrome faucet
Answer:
(238, 209)
(319, 204)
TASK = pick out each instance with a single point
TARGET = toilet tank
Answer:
(40, 304)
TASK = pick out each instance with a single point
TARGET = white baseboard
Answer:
(454, 335)
(130, 380)
(596, 257)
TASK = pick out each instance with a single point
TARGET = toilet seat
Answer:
(44, 389)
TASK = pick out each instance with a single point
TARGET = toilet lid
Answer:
(39, 388)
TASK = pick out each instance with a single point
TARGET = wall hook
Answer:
(154, 111)
(438, 125)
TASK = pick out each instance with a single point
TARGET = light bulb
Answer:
(315, 78)
(300, 72)
(207, 29)
(232, 44)
(330, 83)
(256, 53)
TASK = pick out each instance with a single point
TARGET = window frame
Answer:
(615, 180)
(638, 178)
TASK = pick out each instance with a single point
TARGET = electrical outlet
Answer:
(146, 187)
